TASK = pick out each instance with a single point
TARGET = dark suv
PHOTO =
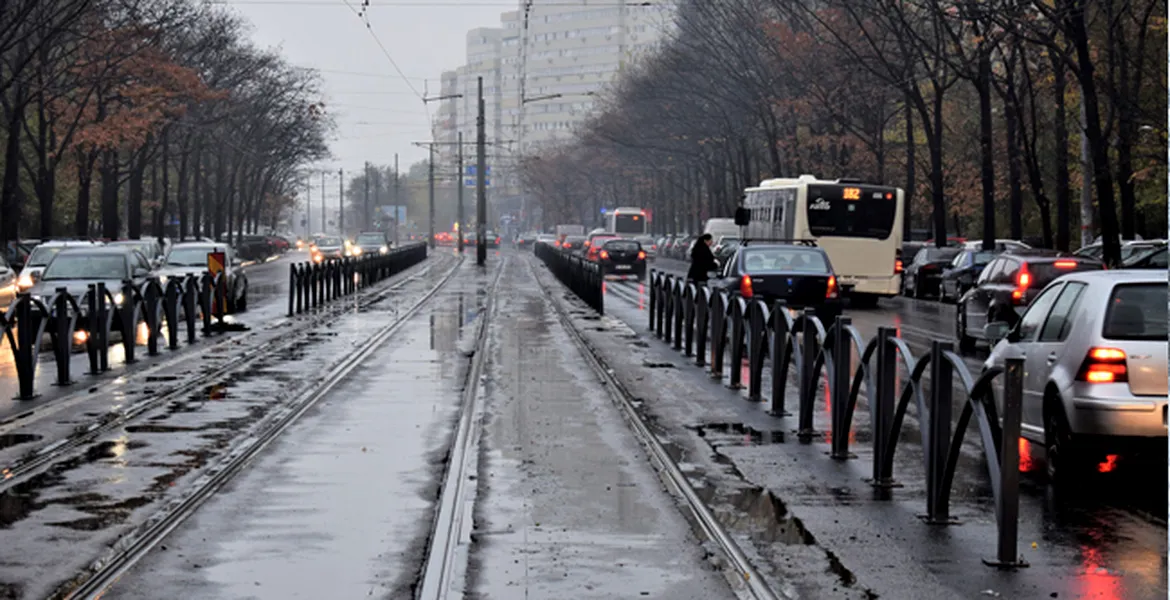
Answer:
(1007, 286)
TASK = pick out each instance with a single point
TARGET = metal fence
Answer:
(689, 316)
(153, 306)
(311, 285)
(580, 275)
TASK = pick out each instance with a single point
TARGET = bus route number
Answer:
(851, 193)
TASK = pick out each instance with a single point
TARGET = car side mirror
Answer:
(139, 273)
(743, 216)
(997, 331)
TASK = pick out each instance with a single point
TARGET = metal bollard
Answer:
(660, 291)
(702, 326)
(718, 339)
(882, 405)
(103, 328)
(190, 297)
(668, 325)
(839, 388)
(1007, 502)
(690, 298)
(780, 358)
(152, 315)
(680, 293)
(653, 296)
(808, 380)
(63, 349)
(25, 355)
(205, 301)
(938, 442)
(129, 323)
(735, 379)
(292, 289)
(91, 347)
(171, 308)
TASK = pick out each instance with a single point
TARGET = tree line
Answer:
(977, 108)
(124, 118)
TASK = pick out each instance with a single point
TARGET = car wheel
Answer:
(966, 342)
(242, 303)
(1061, 458)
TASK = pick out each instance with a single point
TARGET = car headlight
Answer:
(357, 251)
(24, 282)
(119, 298)
(384, 250)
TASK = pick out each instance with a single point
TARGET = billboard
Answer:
(395, 212)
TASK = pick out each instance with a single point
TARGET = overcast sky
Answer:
(376, 110)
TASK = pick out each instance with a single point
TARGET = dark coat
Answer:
(702, 262)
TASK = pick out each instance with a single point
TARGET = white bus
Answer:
(627, 222)
(857, 224)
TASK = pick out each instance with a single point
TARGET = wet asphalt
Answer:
(70, 513)
(1105, 540)
(267, 301)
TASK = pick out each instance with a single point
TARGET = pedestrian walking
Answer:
(702, 259)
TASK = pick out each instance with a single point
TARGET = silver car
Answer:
(190, 258)
(1094, 346)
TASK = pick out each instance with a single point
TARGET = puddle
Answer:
(750, 436)
(657, 365)
(160, 378)
(158, 429)
(9, 440)
(759, 513)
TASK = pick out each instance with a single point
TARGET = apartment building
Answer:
(542, 68)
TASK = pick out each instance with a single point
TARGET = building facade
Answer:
(542, 69)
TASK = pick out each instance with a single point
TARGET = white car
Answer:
(40, 258)
(1094, 345)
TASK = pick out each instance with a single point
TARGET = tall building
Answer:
(542, 68)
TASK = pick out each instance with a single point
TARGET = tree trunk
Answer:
(160, 228)
(109, 172)
(221, 186)
(937, 182)
(199, 193)
(908, 205)
(137, 175)
(986, 151)
(1015, 186)
(9, 198)
(181, 197)
(85, 163)
(1061, 157)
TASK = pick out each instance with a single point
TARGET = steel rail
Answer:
(706, 520)
(446, 531)
(21, 469)
(97, 583)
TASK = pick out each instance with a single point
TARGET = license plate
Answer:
(624, 267)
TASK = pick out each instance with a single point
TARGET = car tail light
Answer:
(604, 255)
(897, 266)
(1065, 264)
(1023, 280)
(1104, 365)
(586, 243)
(497, 240)
(831, 288)
(557, 244)
(745, 286)
(641, 255)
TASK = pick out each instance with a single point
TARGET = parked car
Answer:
(1007, 286)
(961, 274)
(622, 257)
(801, 275)
(1129, 248)
(75, 268)
(370, 242)
(42, 255)
(573, 243)
(150, 248)
(1094, 346)
(923, 276)
(190, 258)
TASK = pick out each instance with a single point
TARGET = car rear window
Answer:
(599, 241)
(623, 245)
(940, 254)
(1136, 312)
(1047, 272)
(763, 260)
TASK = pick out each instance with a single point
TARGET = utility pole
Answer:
(431, 192)
(341, 203)
(480, 191)
(459, 208)
(377, 189)
(397, 200)
(366, 217)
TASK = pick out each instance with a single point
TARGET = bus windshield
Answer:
(629, 224)
(851, 211)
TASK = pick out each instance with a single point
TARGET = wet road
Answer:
(1106, 541)
(102, 495)
(267, 301)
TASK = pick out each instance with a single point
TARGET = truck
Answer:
(720, 228)
(566, 230)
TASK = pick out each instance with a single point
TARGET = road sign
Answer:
(215, 261)
(471, 170)
(472, 183)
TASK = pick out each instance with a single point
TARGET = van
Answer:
(721, 227)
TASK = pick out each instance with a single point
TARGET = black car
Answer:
(1154, 258)
(802, 276)
(573, 243)
(622, 257)
(1006, 287)
(525, 240)
(924, 274)
(492, 239)
(960, 276)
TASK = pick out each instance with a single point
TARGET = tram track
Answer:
(440, 566)
(701, 515)
(83, 435)
(95, 583)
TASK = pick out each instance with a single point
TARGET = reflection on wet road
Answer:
(1109, 534)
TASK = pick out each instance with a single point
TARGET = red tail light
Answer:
(586, 243)
(497, 240)
(1104, 365)
(1023, 280)
(641, 255)
(897, 266)
(745, 286)
(558, 244)
(831, 288)
(1065, 264)
(604, 255)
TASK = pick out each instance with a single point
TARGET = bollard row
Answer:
(312, 285)
(689, 316)
(581, 276)
(150, 309)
